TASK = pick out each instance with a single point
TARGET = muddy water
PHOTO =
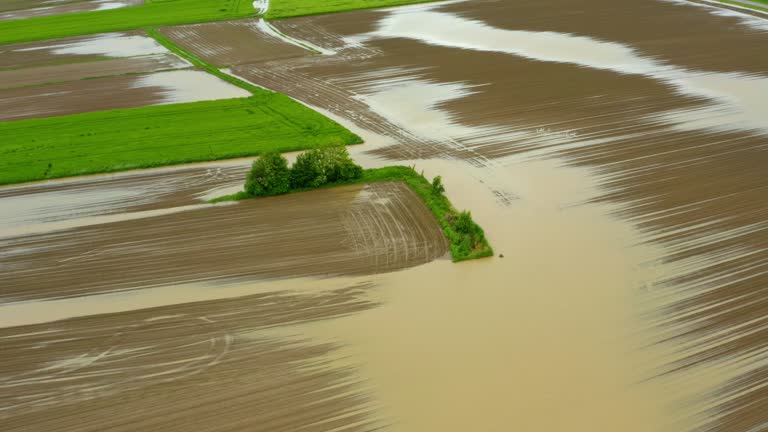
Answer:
(627, 200)
(630, 196)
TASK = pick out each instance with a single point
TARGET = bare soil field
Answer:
(339, 231)
(127, 192)
(16, 9)
(80, 71)
(106, 71)
(232, 42)
(123, 91)
(79, 49)
(217, 358)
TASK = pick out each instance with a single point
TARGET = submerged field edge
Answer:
(275, 14)
(155, 34)
(745, 5)
(438, 204)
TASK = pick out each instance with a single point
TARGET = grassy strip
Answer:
(291, 8)
(118, 140)
(200, 63)
(747, 5)
(439, 204)
(154, 13)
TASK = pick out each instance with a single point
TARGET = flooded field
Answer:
(340, 231)
(95, 95)
(614, 153)
(92, 73)
(233, 42)
(20, 9)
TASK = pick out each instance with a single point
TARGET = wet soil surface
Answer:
(217, 359)
(20, 9)
(232, 42)
(101, 72)
(341, 231)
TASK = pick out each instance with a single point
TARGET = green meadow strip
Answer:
(153, 136)
(150, 14)
(292, 8)
(747, 5)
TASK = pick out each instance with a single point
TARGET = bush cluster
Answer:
(270, 174)
(470, 236)
(466, 237)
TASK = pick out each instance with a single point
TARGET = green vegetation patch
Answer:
(747, 5)
(292, 8)
(331, 166)
(153, 13)
(108, 141)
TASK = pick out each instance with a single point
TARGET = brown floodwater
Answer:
(613, 152)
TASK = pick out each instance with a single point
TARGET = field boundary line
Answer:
(196, 61)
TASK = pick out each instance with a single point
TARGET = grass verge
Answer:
(438, 204)
(118, 140)
(747, 5)
(292, 8)
(154, 13)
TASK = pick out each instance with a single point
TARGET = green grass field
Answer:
(290, 8)
(109, 141)
(153, 13)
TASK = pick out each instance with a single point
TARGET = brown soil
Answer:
(76, 97)
(199, 366)
(79, 71)
(231, 43)
(35, 54)
(340, 231)
(17, 9)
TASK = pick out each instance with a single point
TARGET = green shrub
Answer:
(319, 166)
(307, 171)
(464, 223)
(269, 175)
(437, 186)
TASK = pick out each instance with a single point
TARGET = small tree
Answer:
(269, 175)
(339, 166)
(437, 186)
(307, 171)
(323, 165)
